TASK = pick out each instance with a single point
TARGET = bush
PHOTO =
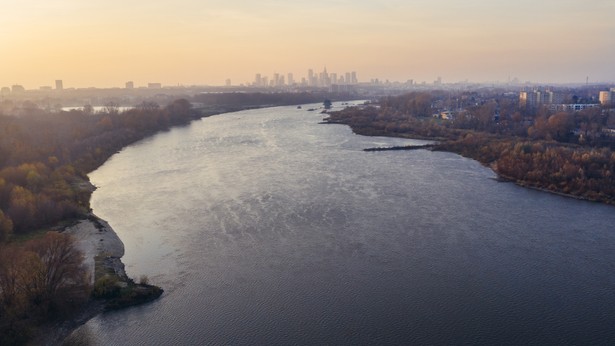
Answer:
(106, 287)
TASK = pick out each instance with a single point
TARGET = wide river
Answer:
(267, 228)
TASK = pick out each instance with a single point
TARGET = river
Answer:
(267, 228)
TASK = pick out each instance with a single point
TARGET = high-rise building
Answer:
(17, 88)
(59, 84)
(312, 80)
(353, 76)
(290, 79)
(323, 78)
(546, 97)
(606, 97)
(130, 85)
(529, 98)
(532, 99)
(258, 80)
(333, 78)
(276, 79)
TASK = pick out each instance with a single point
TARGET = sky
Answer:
(105, 43)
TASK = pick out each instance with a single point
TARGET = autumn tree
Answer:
(560, 125)
(57, 275)
(6, 227)
(39, 281)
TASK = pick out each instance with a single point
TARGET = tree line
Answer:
(45, 158)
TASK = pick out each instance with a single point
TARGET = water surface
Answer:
(265, 227)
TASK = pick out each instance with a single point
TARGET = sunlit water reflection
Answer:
(265, 227)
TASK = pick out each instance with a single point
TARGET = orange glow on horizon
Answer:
(105, 43)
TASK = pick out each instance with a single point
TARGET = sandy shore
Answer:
(94, 238)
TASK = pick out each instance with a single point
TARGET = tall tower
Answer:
(59, 84)
(353, 76)
(606, 97)
(290, 79)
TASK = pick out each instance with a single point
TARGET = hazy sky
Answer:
(105, 43)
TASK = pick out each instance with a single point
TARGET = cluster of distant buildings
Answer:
(323, 79)
(59, 86)
(547, 98)
(607, 98)
(17, 88)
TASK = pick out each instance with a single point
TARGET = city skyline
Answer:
(188, 42)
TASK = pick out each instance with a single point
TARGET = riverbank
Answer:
(112, 288)
(584, 173)
(94, 237)
(102, 251)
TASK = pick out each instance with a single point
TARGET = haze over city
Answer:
(188, 42)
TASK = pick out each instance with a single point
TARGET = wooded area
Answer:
(44, 161)
(45, 158)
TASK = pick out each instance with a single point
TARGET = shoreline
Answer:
(438, 147)
(96, 239)
(102, 250)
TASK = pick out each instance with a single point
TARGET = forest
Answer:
(563, 152)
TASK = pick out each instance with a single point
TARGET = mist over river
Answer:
(267, 228)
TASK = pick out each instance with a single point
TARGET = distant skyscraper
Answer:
(17, 88)
(529, 98)
(324, 78)
(333, 78)
(258, 80)
(532, 99)
(290, 78)
(130, 85)
(606, 97)
(59, 84)
(353, 76)
(312, 80)
(276, 79)
(546, 97)
(228, 82)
